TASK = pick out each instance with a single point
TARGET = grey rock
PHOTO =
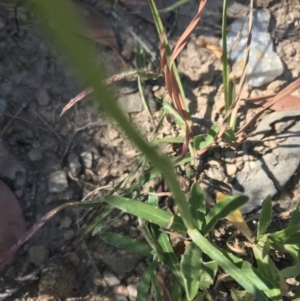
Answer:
(35, 155)
(272, 173)
(87, 159)
(74, 165)
(120, 261)
(111, 279)
(58, 182)
(130, 103)
(42, 97)
(264, 65)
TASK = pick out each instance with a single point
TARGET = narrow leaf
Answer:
(190, 267)
(147, 212)
(265, 217)
(226, 264)
(236, 218)
(222, 209)
(144, 285)
(295, 218)
(126, 243)
(289, 235)
(208, 273)
(292, 271)
(170, 257)
(197, 205)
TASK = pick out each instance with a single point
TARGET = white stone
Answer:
(264, 64)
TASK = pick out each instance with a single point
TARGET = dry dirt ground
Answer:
(85, 150)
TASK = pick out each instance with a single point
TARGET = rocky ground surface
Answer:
(65, 158)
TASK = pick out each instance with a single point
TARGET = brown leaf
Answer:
(142, 9)
(288, 103)
(12, 223)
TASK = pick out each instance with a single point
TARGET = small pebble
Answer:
(132, 291)
(87, 159)
(231, 169)
(111, 279)
(121, 290)
(74, 165)
(214, 162)
(65, 222)
(19, 193)
(58, 182)
(38, 254)
(35, 155)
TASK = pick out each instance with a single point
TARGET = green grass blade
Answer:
(266, 267)
(227, 265)
(126, 243)
(147, 212)
(208, 274)
(145, 282)
(295, 218)
(222, 209)
(94, 223)
(289, 236)
(265, 217)
(190, 267)
(197, 205)
(170, 257)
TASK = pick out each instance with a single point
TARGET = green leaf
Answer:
(293, 250)
(155, 287)
(199, 142)
(153, 199)
(295, 218)
(197, 205)
(222, 209)
(170, 257)
(265, 217)
(190, 267)
(246, 281)
(93, 225)
(126, 243)
(170, 110)
(297, 295)
(241, 295)
(208, 274)
(257, 277)
(292, 271)
(268, 269)
(146, 212)
(289, 236)
(212, 133)
(229, 135)
(144, 285)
